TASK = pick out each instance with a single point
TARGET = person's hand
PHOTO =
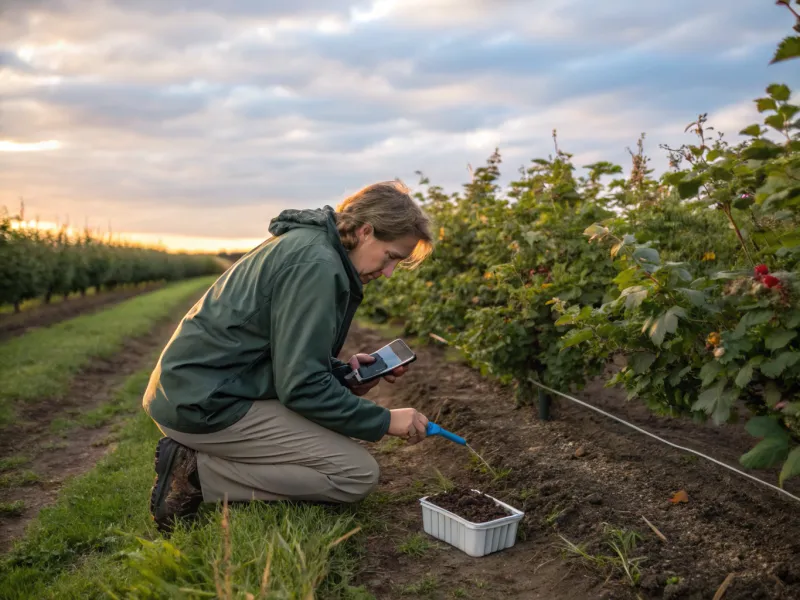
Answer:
(359, 389)
(409, 424)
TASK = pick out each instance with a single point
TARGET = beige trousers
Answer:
(272, 453)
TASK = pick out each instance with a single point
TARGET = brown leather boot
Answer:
(176, 493)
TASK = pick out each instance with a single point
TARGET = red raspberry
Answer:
(762, 270)
(771, 281)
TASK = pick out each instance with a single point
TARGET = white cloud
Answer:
(209, 116)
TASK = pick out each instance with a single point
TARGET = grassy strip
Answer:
(98, 541)
(41, 364)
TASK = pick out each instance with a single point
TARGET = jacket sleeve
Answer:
(303, 330)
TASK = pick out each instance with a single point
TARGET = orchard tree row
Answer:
(42, 264)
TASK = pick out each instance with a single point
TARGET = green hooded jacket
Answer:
(268, 330)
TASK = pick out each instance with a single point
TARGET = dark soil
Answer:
(471, 505)
(44, 315)
(575, 476)
(56, 457)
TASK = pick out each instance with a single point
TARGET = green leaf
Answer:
(697, 298)
(773, 368)
(534, 236)
(752, 319)
(779, 91)
(641, 361)
(772, 395)
(745, 375)
(709, 372)
(634, 296)
(595, 230)
(788, 111)
(626, 277)
(752, 130)
(789, 47)
(767, 453)
(717, 401)
(793, 319)
(762, 150)
(764, 427)
(778, 339)
(677, 375)
(649, 255)
(713, 155)
(765, 104)
(791, 467)
(776, 121)
(666, 323)
(576, 337)
(689, 188)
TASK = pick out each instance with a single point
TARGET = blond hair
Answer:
(391, 211)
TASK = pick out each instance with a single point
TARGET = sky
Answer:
(194, 122)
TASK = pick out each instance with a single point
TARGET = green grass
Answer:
(17, 479)
(98, 540)
(12, 462)
(12, 509)
(425, 587)
(415, 545)
(41, 364)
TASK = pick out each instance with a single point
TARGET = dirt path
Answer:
(571, 476)
(55, 456)
(44, 315)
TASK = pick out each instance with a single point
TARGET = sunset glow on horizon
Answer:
(171, 242)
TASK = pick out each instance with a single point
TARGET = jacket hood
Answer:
(323, 219)
(292, 218)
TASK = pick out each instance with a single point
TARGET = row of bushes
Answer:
(42, 264)
(693, 277)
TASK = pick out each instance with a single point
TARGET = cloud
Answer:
(206, 117)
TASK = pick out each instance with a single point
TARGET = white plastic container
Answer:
(474, 539)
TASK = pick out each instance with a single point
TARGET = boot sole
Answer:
(166, 452)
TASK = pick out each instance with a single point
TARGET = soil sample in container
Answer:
(470, 505)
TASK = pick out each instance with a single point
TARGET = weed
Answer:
(674, 580)
(53, 445)
(60, 425)
(443, 484)
(12, 462)
(424, 587)
(528, 493)
(415, 545)
(480, 583)
(18, 479)
(459, 593)
(620, 561)
(12, 509)
(391, 445)
(554, 515)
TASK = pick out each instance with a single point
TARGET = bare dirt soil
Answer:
(575, 476)
(57, 455)
(44, 315)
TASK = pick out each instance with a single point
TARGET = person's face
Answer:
(373, 258)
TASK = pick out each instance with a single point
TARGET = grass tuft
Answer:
(620, 561)
(415, 545)
(12, 509)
